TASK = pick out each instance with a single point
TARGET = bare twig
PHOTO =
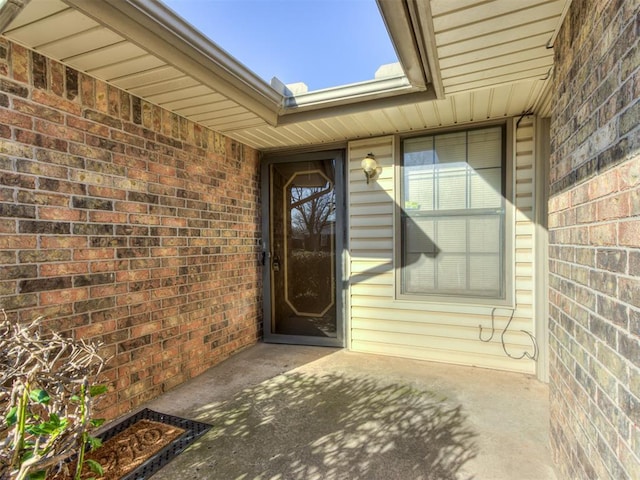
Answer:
(34, 359)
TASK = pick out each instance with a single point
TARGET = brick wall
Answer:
(594, 222)
(124, 223)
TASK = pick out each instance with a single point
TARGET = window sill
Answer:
(454, 305)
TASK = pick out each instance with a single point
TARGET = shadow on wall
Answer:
(305, 427)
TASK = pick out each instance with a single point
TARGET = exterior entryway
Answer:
(308, 413)
(302, 223)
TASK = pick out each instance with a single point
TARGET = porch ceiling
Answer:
(478, 60)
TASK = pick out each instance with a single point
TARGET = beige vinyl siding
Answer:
(378, 323)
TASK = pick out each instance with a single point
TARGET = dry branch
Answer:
(34, 359)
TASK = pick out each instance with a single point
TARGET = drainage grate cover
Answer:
(193, 430)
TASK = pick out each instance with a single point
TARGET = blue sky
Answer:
(323, 43)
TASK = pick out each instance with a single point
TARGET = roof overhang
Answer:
(151, 25)
(9, 9)
(410, 27)
(463, 60)
(154, 27)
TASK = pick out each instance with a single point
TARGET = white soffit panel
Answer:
(461, 108)
(173, 96)
(209, 113)
(61, 24)
(110, 55)
(111, 73)
(37, 10)
(70, 46)
(163, 86)
(481, 44)
(135, 81)
(200, 100)
(209, 108)
(233, 122)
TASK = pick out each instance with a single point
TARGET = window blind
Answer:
(453, 214)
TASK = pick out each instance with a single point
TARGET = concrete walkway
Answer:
(282, 412)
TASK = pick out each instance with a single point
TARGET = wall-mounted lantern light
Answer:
(370, 166)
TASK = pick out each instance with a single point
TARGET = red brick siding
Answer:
(594, 223)
(122, 222)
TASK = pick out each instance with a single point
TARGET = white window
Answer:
(453, 215)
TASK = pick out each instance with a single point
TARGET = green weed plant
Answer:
(48, 388)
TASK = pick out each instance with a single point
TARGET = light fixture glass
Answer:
(369, 166)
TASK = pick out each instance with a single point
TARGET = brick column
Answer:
(124, 223)
(594, 223)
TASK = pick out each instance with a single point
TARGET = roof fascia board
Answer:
(410, 27)
(556, 31)
(347, 94)
(423, 23)
(9, 9)
(151, 25)
(384, 101)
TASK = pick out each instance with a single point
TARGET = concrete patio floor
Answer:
(283, 412)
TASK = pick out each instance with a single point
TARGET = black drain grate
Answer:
(193, 430)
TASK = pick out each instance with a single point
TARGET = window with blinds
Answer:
(453, 214)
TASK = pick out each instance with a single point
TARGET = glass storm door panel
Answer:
(302, 257)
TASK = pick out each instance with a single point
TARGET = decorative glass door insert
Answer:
(303, 252)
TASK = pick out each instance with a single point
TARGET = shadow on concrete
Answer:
(299, 426)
